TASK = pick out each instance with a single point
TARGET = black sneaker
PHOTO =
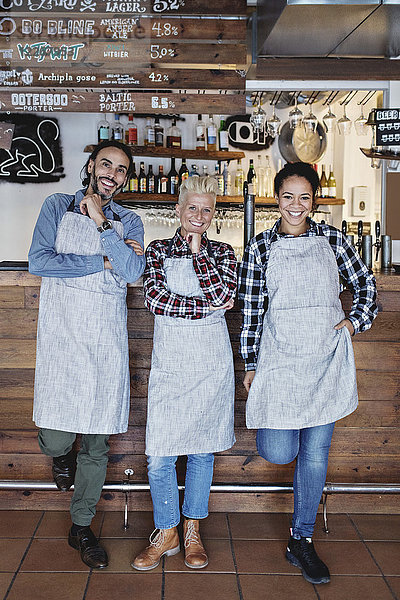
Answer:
(301, 553)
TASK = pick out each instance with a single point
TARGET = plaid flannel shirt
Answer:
(253, 293)
(218, 282)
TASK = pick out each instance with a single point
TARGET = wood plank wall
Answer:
(365, 446)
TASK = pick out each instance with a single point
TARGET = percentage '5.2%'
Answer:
(164, 29)
(160, 102)
(157, 51)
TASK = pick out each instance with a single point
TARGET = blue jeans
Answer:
(164, 488)
(311, 448)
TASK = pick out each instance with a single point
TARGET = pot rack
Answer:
(326, 97)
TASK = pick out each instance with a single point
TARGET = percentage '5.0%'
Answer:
(157, 51)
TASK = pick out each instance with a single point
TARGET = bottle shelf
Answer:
(159, 152)
(135, 198)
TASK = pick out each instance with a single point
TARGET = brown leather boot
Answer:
(162, 541)
(195, 555)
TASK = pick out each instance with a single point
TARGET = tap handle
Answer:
(377, 230)
(360, 228)
(245, 189)
(344, 227)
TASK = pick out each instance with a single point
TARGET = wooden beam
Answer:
(327, 68)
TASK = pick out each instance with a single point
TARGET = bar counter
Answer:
(365, 447)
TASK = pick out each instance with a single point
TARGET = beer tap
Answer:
(359, 233)
(378, 243)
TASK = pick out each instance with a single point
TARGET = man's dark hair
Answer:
(85, 175)
(298, 169)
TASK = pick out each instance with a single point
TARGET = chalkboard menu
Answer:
(387, 126)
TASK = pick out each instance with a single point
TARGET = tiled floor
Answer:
(246, 553)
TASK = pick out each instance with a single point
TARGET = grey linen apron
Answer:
(305, 373)
(191, 386)
(82, 363)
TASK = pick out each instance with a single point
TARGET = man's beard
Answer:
(93, 183)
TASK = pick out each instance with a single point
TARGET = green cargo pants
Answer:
(90, 471)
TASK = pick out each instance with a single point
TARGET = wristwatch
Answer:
(104, 226)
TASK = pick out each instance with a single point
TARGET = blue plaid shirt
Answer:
(253, 293)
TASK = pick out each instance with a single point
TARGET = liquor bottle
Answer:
(159, 132)
(173, 178)
(269, 179)
(227, 180)
(183, 171)
(205, 171)
(174, 136)
(252, 178)
(162, 181)
(151, 181)
(194, 171)
(239, 178)
(220, 179)
(200, 134)
(103, 130)
(324, 184)
(126, 187)
(134, 181)
(131, 138)
(211, 135)
(117, 131)
(331, 184)
(223, 136)
(142, 180)
(261, 179)
(149, 134)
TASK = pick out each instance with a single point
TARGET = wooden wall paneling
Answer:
(11, 297)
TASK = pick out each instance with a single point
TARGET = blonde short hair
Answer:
(198, 185)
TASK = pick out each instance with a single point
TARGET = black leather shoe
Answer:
(301, 553)
(64, 468)
(92, 554)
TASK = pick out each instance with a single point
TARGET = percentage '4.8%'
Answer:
(157, 51)
(159, 102)
(164, 29)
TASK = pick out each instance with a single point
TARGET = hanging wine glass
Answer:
(329, 120)
(310, 122)
(295, 116)
(273, 124)
(360, 124)
(257, 118)
(344, 124)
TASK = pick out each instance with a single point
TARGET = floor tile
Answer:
(5, 580)
(386, 555)
(260, 526)
(49, 586)
(21, 523)
(122, 552)
(214, 526)
(284, 587)
(262, 557)
(141, 525)
(56, 524)
(198, 586)
(347, 558)
(52, 555)
(11, 552)
(378, 527)
(340, 528)
(142, 586)
(219, 556)
(394, 583)
(352, 587)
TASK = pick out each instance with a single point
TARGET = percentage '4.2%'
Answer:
(158, 77)
(159, 102)
(164, 29)
(157, 51)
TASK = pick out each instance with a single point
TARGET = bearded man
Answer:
(86, 248)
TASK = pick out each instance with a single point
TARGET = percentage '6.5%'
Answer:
(159, 102)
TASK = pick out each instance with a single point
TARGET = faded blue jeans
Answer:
(164, 488)
(310, 446)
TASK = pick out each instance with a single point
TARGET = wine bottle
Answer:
(239, 178)
(162, 181)
(220, 179)
(117, 131)
(324, 184)
(269, 179)
(194, 171)
(227, 180)
(261, 179)
(149, 134)
(200, 129)
(151, 181)
(174, 136)
(103, 130)
(223, 136)
(142, 179)
(131, 138)
(331, 184)
(252, 179)
(158, 132)
(205, 171)
(183, 171)
(173, 178)
(134, 181)
(211, 135)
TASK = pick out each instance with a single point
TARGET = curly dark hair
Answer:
(298, 169)
(85, 175)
